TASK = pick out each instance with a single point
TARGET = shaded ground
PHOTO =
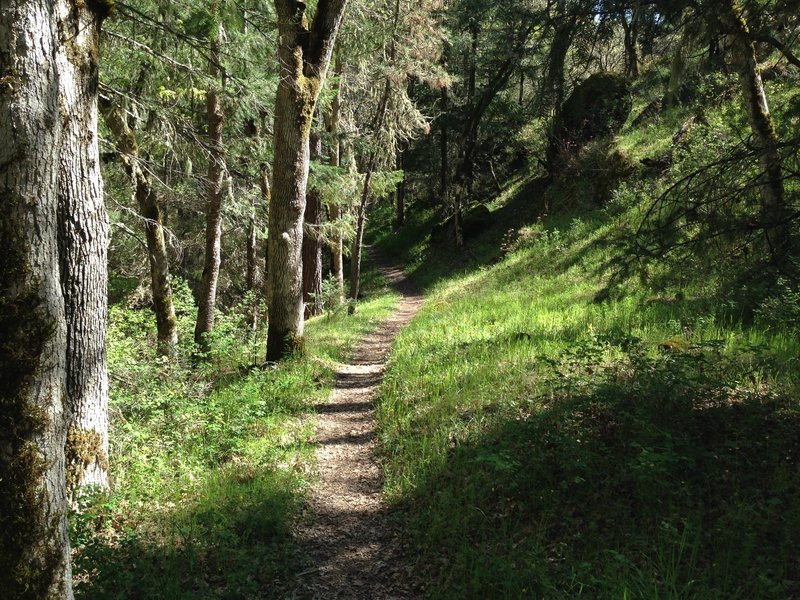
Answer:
(353, 548)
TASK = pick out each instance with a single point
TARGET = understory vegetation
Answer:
(211, 459)
(599, 398)
(571, 416)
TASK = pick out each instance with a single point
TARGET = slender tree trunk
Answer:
(216, 176)
(251, 274)
(400, 194)
(562, 40)
(630, 30)
(312, 246)
(83, 241)
(251, 277)
(150, 210)
(34, 413)
(372, 164)
(303, 55)
(266, 197)
(444, 150)
(474, 30)
(335, 211)
(676, 70)
(773, 203)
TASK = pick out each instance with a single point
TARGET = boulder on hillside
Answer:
(597, 107)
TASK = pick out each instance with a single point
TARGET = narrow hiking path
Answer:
(354, 550)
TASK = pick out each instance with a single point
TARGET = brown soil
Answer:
(354, 549)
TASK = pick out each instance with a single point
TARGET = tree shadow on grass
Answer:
(230, 541)
(627, 490)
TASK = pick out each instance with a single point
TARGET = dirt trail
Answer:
(346, 532)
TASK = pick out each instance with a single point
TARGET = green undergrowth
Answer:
(549, 435)
(209, 461)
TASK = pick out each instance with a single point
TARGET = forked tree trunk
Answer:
(83, 241)
(303, 55)
(216, 175)
(150, 210)
(34, 549)
(774, 211)
(312, 246)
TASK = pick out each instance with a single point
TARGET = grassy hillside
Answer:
(556, 425)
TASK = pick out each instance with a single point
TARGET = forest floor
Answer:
(353, 547)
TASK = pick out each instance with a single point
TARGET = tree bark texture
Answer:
(83, 241)
(216, 177)
(774, 210)
(150, 210)
(34, 414)
(312, 246)
(304, 54)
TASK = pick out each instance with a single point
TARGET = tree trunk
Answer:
(335, 211)
(774, 211)
(83, 242)
(631, 34)
(464, 174)
(444, 163)
(150, 210)
(34, 413)
(312, 246)
(562, 40)
(400, 194)
(303, 55)
(216, 175)
(676, 71)
(266, 196)
(372, 164)
(251, 276)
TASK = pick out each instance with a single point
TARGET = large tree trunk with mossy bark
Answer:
(304, 54)
(34, 548)
(774, 210)
(147, 200)
(215, 190)
(83, 242)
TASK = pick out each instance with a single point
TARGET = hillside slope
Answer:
(561, 421)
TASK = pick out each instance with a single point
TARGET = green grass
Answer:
(209, 463)
(545, 436)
